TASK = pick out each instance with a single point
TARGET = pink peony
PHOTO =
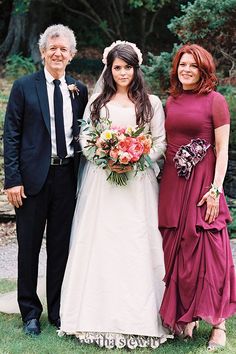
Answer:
(125, 144)
(136, 150)
(125, 158)
(146, 140)
(114, 153)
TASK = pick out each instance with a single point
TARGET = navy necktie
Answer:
(59, 121)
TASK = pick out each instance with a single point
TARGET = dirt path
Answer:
(8, 252)
(8, 261)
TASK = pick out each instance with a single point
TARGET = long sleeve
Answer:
(157, 129)
(12, 136)
(83, 136)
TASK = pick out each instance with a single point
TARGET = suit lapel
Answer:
(43, 98)
(74, 104)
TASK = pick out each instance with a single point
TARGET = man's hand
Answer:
(15, 195)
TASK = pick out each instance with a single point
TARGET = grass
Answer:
(7, 285)
(14, 341)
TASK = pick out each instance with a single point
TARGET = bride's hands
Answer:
(212, 206)
(118, 168)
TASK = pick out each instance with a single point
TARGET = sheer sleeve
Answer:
(157, 129)
(220, 111)
(83, 137)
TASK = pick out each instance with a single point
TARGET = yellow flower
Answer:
(129, 130)
(106, 135)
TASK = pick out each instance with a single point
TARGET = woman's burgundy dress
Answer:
(200, 275)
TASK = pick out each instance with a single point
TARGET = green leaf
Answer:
(138, 132)
(148, 160)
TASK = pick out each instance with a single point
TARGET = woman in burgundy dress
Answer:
(200, 275)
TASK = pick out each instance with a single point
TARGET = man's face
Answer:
(56, 55)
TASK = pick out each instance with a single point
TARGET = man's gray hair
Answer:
(57, 31)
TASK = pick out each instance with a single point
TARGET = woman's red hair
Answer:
(206, 66)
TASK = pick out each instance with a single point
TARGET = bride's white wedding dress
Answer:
(112, 289)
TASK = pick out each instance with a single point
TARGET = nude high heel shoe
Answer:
(189, 329)
(213, 343)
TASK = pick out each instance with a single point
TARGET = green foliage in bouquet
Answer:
(124, 148)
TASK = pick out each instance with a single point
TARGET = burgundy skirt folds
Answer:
(200, 275)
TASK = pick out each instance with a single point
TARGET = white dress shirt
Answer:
(67, 113)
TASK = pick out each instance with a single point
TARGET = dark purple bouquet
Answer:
(189, 155)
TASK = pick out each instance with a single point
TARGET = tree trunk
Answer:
(143, 22)
(39, 18)
(24, 30)
(15, 40)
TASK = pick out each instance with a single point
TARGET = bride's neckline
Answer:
(116, 104)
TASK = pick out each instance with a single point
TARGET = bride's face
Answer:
(122, 73)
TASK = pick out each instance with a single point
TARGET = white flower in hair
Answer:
(114, 44)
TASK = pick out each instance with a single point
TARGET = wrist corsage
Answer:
(215, 191)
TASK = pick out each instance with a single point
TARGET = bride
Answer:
(113, 287)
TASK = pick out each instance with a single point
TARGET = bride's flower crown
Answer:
(114, 44)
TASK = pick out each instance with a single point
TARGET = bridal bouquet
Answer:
(108, 145)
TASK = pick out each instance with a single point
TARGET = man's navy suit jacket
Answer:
(27, 138)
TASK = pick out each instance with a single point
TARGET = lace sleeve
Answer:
(83, 137)
(220, 111)
(157, 129)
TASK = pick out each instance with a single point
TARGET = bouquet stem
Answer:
(119, 179)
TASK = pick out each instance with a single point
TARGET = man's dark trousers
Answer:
(55, 202)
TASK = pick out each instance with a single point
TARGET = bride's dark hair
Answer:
(137, 91)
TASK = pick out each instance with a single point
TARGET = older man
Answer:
(41, 159)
